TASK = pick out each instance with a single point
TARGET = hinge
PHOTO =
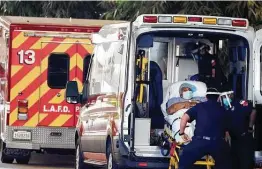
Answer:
(126, 138)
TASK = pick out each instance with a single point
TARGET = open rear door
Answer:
(257, 67)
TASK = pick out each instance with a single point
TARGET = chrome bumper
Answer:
(41, 138)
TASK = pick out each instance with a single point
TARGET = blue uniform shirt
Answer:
(239, 117)
(210, 119)
(206, 64)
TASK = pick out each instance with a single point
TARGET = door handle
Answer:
(58, 95)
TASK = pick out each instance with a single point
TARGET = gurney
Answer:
(173, 108)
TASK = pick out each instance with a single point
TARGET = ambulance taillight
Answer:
(194, 19)
(150, 19)
(22, 110)
(239, 23)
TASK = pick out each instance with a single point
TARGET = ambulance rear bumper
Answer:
(41, 138)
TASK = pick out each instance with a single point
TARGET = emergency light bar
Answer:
(236, 23)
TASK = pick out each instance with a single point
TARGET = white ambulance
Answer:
(122, 97)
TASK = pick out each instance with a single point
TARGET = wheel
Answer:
(79, 162)
(110, 160)
(23, 160)
(5, 158)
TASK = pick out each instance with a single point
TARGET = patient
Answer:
(180, 97)
(185, 101)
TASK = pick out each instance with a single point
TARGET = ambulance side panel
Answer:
(24, 79)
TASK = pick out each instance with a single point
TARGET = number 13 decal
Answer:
(28, 53)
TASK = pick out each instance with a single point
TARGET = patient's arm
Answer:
(178, 106)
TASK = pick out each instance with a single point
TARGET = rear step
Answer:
(151, 151)
(94, 162)
(148, 151)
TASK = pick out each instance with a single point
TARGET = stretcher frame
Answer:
(174, 159)
(209, 162)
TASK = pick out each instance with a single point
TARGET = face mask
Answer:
(225, 102)
(187, 95)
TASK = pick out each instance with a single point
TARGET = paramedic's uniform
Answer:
(208, 136)
(210, 71)
(241, 140)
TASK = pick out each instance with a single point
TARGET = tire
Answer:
(79, 159)
(110, 160)
(4, 157)
(23, 160)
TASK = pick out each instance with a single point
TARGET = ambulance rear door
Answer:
(58, 65)
(257, 62)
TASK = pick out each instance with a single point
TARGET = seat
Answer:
(156, 96)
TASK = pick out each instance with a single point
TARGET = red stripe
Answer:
(15, 34)
(26, 69)
(82, 51)
(49, 119)
(27, 44)
(72, 74)
(69, 122)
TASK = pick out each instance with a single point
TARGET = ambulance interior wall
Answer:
(231, 51)
(258, 123)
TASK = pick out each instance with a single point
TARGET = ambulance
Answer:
(38, 56)
(133, 66)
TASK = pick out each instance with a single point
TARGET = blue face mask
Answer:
(225, 102)
(187, 95)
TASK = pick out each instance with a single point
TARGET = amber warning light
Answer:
(22, 110)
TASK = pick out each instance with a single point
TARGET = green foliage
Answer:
(61, 9)
(128, 10)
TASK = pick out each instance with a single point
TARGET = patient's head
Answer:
(186, 91)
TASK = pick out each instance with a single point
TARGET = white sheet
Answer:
(173, 93)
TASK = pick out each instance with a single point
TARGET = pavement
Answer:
(44, 161)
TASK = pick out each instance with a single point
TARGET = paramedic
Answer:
(242, 118)
(208, 135)
(210, 71)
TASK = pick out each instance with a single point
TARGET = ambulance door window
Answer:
(58, 70)
(86, 64)
(112, 68)
(159, 54)
(96, 71)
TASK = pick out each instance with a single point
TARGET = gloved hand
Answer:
(227, 137)
(185, 138)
